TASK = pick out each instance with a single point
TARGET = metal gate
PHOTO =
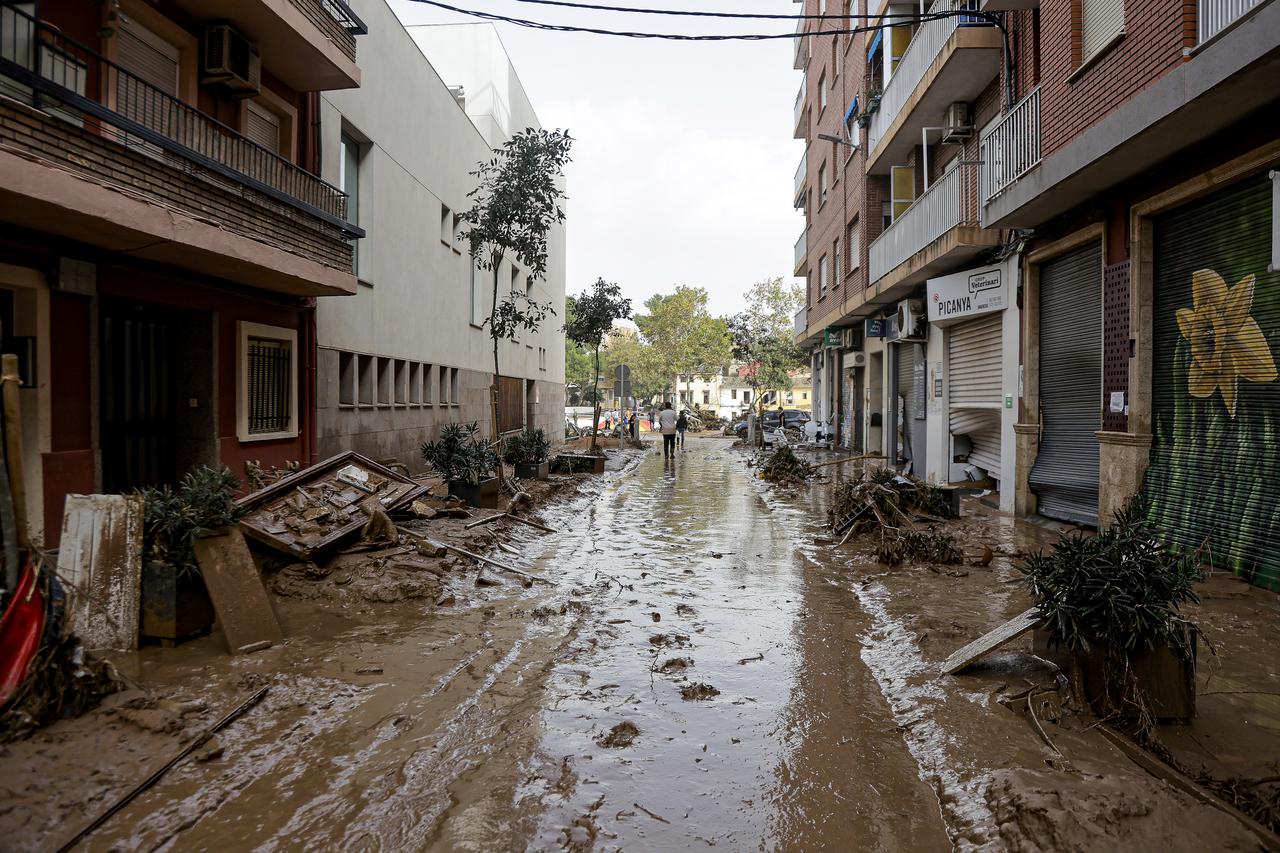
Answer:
(973, 371)
(1214, 478)
(1065, 474)
(136, 397)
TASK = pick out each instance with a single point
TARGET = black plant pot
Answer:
(175, 605)
(483, 496)
(533, 471)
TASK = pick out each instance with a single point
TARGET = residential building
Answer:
(167, 234)
(410, 352)
(1045, 238)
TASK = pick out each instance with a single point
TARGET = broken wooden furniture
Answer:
(319, 508)
(100, 558)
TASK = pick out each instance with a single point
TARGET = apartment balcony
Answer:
(801, 322)
(802, 110)
(937, 233)
(1216, 16)
(1011, 148)
(801, 53)
(95, 154)
(801, 253)
(948, 60)
(308, 44)
(801, 182)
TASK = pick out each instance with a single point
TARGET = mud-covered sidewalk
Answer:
(701, 674)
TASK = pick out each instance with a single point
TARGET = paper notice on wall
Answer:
(1117, 402)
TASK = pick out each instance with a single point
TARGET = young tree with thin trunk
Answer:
(764, 338)
(516, 203)
(589, 317)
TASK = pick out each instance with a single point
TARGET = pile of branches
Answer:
(893, 506)
(783, 467)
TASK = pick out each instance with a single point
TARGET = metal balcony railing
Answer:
(76, 84)
(801, 175)
(801, 249)
(950, 202)
(929, 40)
(800, 101)
(1012, 147)
(1214, 16)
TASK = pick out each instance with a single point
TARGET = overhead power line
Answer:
(697, 14)
(571, 28)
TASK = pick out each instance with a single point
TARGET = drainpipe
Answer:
(310, 450)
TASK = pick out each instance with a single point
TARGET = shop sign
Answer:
(831, 336)
(875, 328)
(962, 295)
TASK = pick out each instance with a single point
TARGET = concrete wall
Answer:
(415, 300)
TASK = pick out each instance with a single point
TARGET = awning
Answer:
(875, 44)
(853, 109)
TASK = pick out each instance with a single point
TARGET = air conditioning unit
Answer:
(911, 320)
(849, 338)
(855, 358)
(958, 123)
(231, 60)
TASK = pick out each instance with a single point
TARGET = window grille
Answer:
(269, 385)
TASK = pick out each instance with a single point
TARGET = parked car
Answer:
(791, 419)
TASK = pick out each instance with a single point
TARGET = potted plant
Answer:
(467, 462)
(175, 604)
(529, 451)
(1109, 605)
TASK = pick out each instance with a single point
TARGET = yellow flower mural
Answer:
(1226, 342)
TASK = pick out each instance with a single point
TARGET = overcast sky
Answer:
(684, 162)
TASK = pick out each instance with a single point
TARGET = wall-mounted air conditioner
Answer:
(958, 123)
(855, 358)
(849, 338)
(911, 320)
(231, 60)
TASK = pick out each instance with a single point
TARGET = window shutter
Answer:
(144, 54)
(263, 127)
(1100, 22)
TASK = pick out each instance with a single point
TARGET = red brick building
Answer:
(1107, 167)
(167, 233)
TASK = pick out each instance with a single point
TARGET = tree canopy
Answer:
(589, 317)
(764, 338)
(685, 337)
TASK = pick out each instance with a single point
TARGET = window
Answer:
(1101, 23)
(886, 215)
(444, 386)
(733, 394)
(346, 379)
(822, 182)
(822, 92)
(262, 126)
(268, 395)
(446, 225)
(400, 382)
(427, 388)
(822, 276)
(453, 386)
(477, 295)
(384, 381)
(836, 262)
(706, 398)
(364, 380)
(349, 178)
(515, 280)
(415, 383)
(746, 396)
(902, 188)
(854, 245)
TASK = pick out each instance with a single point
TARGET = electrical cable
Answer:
(569, 28)
(698, 14)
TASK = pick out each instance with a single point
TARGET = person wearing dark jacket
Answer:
(682, 425)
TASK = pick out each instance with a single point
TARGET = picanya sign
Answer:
(966, 294)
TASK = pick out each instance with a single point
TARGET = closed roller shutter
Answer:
(152, 64)
(263, 127)
(906, 398)
(973, 370)
(1065, 474)
(1214, 478)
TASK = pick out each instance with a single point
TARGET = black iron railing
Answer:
(66, 79)
(342, 13)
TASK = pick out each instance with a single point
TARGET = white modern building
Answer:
(408, 352)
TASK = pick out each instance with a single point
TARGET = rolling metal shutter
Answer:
(1214, 478)
(1065, 474)
(973, 370)
(263, 127)
(906, 396)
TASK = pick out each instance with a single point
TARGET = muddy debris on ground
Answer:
(783, 468)
(679, 641)
(622, 735)
(902, 511)
(673, 665)
(698, 691)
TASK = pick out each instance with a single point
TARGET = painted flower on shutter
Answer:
(1226, 342)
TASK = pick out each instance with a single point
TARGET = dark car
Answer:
(791, 418)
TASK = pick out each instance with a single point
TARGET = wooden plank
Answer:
(240, 599)
(100, 560)
(989, 642)
(10, 381)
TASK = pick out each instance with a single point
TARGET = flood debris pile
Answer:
(895, 507)
(782, 467)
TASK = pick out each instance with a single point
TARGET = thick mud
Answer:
(701, 675)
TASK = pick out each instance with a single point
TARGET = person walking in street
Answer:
(667, 423)
(682, 425)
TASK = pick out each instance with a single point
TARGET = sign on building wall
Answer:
(831, 336)
(966, 294)
(876, 328)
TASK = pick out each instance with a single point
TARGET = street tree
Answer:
(764, 338)
(625, 347)
(685, 338)
(589, 317)
(515, 204)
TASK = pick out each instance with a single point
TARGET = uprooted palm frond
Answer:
(783, 467)
(891, 505)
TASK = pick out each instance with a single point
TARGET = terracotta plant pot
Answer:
(483, 496)
(1163, 674)
(175, 605)
(539, 471)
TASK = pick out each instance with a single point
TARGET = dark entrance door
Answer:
(136, 396)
